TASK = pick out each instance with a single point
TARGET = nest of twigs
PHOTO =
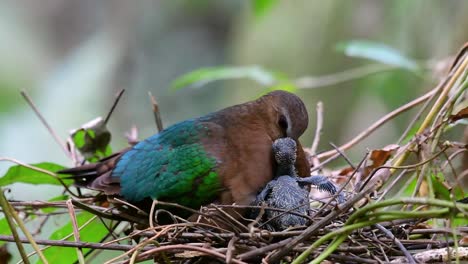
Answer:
(369, 227)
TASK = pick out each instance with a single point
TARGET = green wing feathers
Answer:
(172, 165)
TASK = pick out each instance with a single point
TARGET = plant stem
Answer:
(7, 211)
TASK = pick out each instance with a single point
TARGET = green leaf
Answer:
(261, 7)
(378, 52)
(92, 140)
(441, 191)
(93, 232)
(23, 174)
(4, 229)
(203, 76)
(407, 191)
(460, 221)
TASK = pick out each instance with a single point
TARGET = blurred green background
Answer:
(73, 56)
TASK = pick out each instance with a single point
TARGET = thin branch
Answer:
(156, 112)
(318, 132)
(73, 244)
(318, 128)
(116, 101)
(76, 233)
(379, 123)
(8, 216)
(207, 251)
(389, 234)
(445, 255)
(342, 154)
(45, 123)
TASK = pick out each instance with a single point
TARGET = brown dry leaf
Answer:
(459, 115)
(463, 241)
(378, 158)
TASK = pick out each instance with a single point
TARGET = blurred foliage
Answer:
(203, 76)
(376, 51)
(261, 7)
(73, 55)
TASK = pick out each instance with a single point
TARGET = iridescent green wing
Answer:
(171, 166)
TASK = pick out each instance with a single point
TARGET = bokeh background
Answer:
(73, 56)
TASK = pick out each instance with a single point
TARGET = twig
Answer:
(389, 234)
(230, 248)
(73, 244)
(406, 166)
(76, 233)
(353, 259)
(437, 255)
(207, 251)
(151, 214)
(318, 132)
(379, 123)
(8, 216)
(380, 245)
(261, 251)
(116, 101)
(338, 192)
(342, 154)
(392, 184)
(318, 128)
(141, 245)
(44, 122)
(156, 112)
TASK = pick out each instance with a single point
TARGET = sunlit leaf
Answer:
(261, 7)
(92, 140)
(203, 76)
(93, 232)
(23, 174)
(378, 52)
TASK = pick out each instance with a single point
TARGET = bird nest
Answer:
(400, 207)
